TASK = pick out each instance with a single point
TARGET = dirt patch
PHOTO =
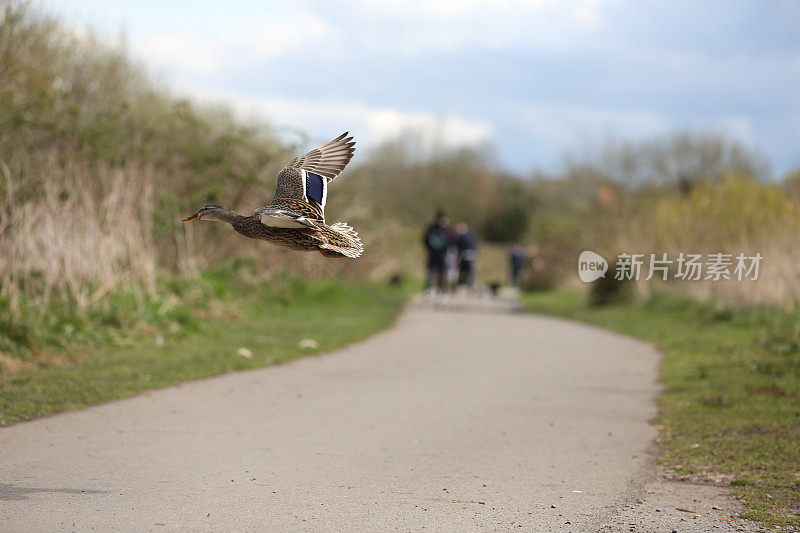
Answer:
(681, 507)
(10, 366)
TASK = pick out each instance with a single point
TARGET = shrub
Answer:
(608, 290)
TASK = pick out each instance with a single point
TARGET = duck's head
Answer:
(209, 212)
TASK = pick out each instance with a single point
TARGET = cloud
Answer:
(446, 9)
(434, 129)
(370, 124)
(420, 27)
(538, 76)
(180, 51)
(302, 30)
(254, 40)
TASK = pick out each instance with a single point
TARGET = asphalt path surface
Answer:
(458, 418)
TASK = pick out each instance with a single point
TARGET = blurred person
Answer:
(467, 246)
(451, 264)
(437, 240)
(515, 261)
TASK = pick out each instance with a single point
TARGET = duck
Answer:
(295, 217)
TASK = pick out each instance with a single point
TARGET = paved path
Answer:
(452, 420)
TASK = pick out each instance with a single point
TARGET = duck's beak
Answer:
(191, 218)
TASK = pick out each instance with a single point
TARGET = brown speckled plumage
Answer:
(298, 207)
(304, 239)
(295, 218)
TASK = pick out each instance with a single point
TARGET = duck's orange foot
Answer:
(331, 254)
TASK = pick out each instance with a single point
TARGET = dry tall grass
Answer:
(67, 243)
(736, 214)
(692, 193)
(97, 164)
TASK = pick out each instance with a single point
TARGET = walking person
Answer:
(467, 246)
(437, 240)
(515, 260)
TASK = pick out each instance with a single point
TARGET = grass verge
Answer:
(201, 336)
(730, 407)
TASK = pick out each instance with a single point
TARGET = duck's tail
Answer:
(343, 241)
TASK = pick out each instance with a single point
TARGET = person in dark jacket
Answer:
(467, 245)
(437, 239)
(516, 260)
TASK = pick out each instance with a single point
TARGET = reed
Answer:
(733, 215)
(68, 243)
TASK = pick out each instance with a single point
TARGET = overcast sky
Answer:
(533, 77)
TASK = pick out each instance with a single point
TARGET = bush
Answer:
(509, 220)
(542, 271)
(506, 225)
(608, 290)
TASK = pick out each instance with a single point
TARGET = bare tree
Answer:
(677, 160)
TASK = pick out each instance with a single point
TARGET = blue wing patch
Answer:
(315, 187)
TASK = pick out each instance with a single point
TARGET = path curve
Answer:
(451, 420)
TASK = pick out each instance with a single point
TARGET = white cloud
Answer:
(434, 129)
(254, 40)
(370, 124)
(179, 51)
(302, 30)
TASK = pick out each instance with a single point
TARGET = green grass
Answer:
(731, 391)
(116, 362)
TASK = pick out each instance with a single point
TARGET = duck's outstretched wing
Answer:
(305, 179)
(329, 159)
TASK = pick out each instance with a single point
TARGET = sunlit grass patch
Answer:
(221, 328)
